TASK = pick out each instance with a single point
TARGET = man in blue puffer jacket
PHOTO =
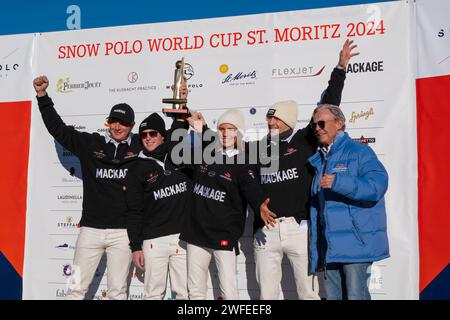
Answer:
(348, 216)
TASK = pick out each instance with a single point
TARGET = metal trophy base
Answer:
(176, 113)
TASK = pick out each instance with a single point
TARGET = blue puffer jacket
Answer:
(353, 210)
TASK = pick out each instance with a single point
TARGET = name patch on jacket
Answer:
(111, 173)
(339, 168)
(170, 191)
(209, 193)
(279, 176)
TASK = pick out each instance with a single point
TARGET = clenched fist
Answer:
(40, 84)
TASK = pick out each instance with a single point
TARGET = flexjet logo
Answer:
(362, 67)
(296, 72)
(64, 85)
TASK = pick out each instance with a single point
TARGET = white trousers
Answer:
(199, 259)
(270, 244)
(165, 256)
(91, 244)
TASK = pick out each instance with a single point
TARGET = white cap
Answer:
(286, 111)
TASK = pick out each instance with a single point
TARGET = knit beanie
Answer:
(286, 111)
(154, 122)
(234, 117)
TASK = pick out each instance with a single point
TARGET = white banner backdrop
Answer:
(433, 32)
(245, 62)
(16, 54)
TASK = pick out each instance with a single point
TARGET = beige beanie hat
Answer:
(234, 117)
(286, 111)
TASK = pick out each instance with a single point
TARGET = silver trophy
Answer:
(179, 108)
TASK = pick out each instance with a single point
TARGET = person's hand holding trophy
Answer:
(179, 109)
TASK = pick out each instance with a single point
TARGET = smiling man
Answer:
(105, 161)
(348, 217)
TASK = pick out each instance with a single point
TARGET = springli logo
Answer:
(361, 115)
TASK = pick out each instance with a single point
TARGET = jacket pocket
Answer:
(355, 229)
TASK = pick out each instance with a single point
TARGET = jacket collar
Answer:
(109, 139)
(159, 162)
(316, 159)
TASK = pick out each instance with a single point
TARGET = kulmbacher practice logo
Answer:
(132, 78)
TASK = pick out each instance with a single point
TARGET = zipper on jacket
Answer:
(324, 168)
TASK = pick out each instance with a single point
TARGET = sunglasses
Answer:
(151, 134)
(320, 123)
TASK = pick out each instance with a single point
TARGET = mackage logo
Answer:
(361, 67)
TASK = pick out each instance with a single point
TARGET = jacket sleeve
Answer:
(181, 144)
(67, 136)
(249, 183)
(135, 216)
(333, 93)
(369, 185)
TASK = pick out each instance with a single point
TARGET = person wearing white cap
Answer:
(283, 230)
(222, 189)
